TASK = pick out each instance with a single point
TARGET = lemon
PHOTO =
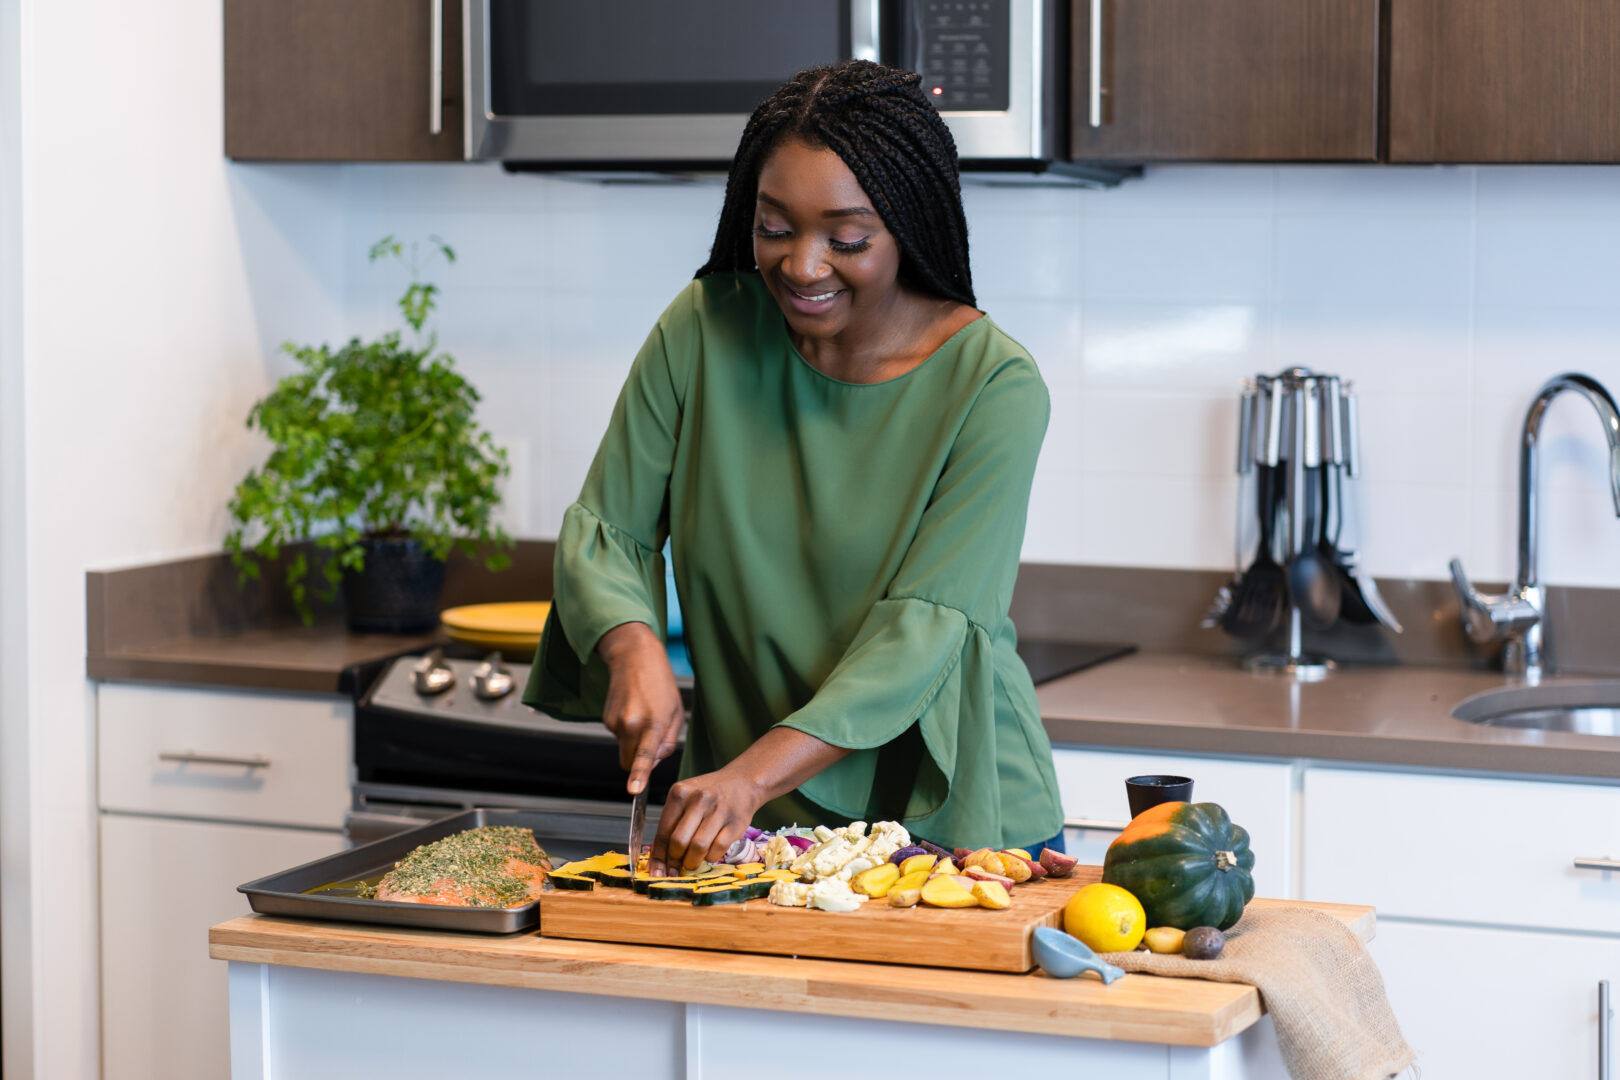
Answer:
(1105, 917)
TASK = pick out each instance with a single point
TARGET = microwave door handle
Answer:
(863, 29)
(435, 67)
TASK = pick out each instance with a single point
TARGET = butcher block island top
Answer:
(1137, 1008)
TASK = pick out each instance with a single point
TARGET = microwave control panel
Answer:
(960, 48)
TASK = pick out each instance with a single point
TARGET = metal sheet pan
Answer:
(284, 893)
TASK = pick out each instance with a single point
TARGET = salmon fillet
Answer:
(495, 866)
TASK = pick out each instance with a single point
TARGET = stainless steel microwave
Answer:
(651, 84)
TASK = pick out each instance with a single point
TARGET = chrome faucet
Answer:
(1517, 616)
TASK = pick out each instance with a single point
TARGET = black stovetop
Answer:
(1048, 660)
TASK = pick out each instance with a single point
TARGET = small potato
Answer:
(992, 862)
(1164, 939)
(975, 858)
(946, 866)
(979, 873)
(904, 897)
(991, 895)
(1020, 852)
(910, 881)
(876, 881)
(1057, 864)
(947, 892)
(1203, 943)
(1015, 866)
(918, 862)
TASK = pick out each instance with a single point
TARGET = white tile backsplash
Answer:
(1448, 294)
(1190, 259)
(1549, 262)
(1380, 260)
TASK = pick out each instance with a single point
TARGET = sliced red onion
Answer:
(801, 843)
(752, 833)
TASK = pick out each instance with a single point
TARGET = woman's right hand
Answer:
(643, 707)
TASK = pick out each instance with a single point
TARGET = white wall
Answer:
(16, 946)
(155, 279)
(1447, 294)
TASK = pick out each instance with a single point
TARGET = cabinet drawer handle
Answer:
(1093, 823)
(436, 68)
(1096, 63)
(1597, 864)
(1604, 1017)
(191, 757)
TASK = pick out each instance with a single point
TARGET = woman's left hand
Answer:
(703, 816)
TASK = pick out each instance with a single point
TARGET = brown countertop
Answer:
(288, 658)
(193, 621)
(1137, 1008)
(1379, 715)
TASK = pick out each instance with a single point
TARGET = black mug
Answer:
(1146, 791)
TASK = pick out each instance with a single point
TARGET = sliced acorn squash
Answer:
(575, 882)
(734, 893)
(671, 890)
(617, 876)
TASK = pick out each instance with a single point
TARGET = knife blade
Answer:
(638, 824)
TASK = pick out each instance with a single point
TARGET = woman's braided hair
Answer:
(880, 123)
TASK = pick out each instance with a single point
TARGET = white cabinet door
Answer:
(1463, 849)
(164, 1014)
(1257, 794)
(1486, 1003)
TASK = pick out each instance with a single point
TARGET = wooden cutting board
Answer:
(973, 938)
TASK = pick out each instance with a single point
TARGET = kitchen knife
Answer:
(638, 823)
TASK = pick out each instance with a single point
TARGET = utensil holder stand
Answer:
(1299, 439)
(1296, 663)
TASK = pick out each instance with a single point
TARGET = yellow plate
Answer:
(512, 646)
(525, 618)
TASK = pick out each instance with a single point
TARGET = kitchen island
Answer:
(317, 1000)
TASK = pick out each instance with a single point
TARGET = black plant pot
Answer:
(397, 592)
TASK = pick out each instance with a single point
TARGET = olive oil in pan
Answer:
(364, 888)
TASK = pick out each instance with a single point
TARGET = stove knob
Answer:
(491, 681)
(431, 675)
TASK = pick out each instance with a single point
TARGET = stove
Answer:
(1048, 660)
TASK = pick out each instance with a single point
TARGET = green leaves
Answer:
(374, 439)
(418, 302)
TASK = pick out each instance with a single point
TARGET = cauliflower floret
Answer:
(887, 837)
(789, 894)
(821, 833)
(855, 866)
(855, 830)
(832, 857)
(823, 859)
(778, 852)
(834, 895)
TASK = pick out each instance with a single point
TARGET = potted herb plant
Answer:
(379, 462)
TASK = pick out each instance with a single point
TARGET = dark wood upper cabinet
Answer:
(342, 80)
(1504, 80)
(1227, 80)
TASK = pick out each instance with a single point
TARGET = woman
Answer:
(839, 446)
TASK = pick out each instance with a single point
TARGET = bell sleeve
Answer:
(914, 695)
(609, 567)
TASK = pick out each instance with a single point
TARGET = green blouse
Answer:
(844, 555)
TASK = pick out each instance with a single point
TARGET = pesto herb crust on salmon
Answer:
(497, 866)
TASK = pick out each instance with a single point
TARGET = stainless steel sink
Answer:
(1582, 708)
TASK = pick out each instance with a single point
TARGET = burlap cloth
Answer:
(1318, 982)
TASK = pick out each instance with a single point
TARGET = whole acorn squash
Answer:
(1186, 862)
